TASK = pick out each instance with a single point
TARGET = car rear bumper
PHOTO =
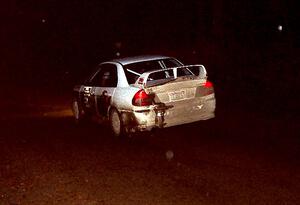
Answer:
(162, 116)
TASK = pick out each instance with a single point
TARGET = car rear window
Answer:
(134, 70)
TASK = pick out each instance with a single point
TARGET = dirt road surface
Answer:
(236, 158)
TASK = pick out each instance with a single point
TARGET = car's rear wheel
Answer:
(116, 124)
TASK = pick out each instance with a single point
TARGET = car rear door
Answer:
(104, 87)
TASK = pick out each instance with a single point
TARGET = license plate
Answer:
(177, 95)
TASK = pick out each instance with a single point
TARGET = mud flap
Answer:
(160, 111)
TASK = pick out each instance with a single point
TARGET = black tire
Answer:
(116, 124)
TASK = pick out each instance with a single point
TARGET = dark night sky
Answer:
(54, 37)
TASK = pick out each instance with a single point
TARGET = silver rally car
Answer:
(145, 92)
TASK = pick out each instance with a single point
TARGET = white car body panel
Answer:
(184, 100)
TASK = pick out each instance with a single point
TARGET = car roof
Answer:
(135, 59)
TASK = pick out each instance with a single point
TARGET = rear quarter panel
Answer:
(122, 98)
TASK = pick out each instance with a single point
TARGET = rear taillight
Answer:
(141, 98)
(208, 84)
(206, 89)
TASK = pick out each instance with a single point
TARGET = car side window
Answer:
(106, 76)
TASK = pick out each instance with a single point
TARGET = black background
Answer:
(50, 42)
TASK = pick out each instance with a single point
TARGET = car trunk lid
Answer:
(180, 95)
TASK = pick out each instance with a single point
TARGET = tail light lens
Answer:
(206, 89)
(208, 84)
(141, 98)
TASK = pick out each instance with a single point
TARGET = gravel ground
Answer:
(236, 158)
